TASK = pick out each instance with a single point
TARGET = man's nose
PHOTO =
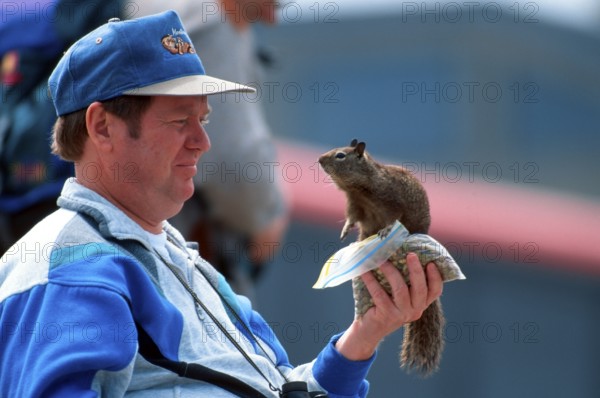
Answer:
(199, 139)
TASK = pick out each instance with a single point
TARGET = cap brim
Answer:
(191, 85)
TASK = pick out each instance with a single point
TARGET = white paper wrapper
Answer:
(368, 254)
(360, 257)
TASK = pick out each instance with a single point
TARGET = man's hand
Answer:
(405, 304)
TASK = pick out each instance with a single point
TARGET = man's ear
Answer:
(96, 121)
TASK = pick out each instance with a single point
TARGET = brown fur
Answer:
(377, 195)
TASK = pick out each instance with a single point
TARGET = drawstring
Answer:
(222, 328)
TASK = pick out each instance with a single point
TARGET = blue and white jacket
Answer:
(70, 299)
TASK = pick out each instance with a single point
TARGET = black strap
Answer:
(149, 350)
(151, 353)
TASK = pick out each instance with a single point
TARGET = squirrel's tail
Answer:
(424, 341)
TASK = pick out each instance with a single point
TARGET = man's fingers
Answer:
(378, 293)
(399, 289)
(411, 301)
(435, 283)
(418, 282)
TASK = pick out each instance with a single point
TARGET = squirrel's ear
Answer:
(353, 143)
(360, 149)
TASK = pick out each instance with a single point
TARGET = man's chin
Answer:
(189, 192)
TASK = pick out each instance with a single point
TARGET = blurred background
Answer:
(496, 108)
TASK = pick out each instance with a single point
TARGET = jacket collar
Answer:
(112, 222)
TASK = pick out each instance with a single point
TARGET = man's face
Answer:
(157, 169)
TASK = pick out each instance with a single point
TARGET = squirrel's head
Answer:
(348, 166)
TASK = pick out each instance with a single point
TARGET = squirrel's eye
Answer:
(340, 155)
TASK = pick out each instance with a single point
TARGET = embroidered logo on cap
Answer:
(176, 45)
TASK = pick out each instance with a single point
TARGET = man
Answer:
(104, 297)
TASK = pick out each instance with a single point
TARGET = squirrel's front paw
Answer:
(347, 227)
(384, 232)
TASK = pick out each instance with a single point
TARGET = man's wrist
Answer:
(339, 375)
(355, 347)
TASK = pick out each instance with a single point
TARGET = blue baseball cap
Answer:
(152, 55)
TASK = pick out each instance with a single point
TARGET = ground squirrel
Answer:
(377, 195)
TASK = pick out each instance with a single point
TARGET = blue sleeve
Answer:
(56, 337)
(341, 377)
(258, 326)
(261, 329)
